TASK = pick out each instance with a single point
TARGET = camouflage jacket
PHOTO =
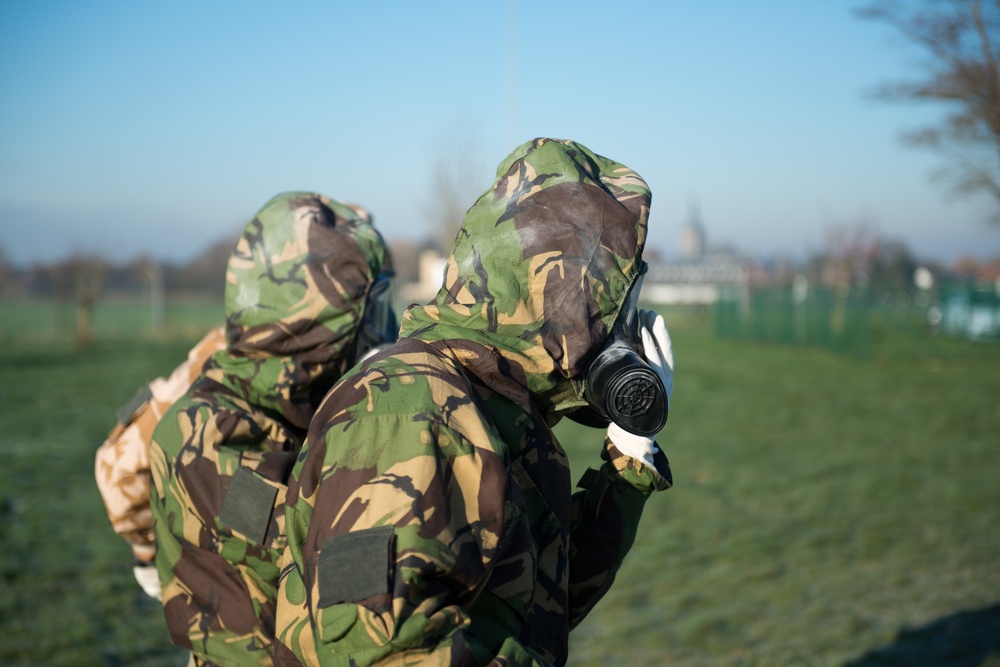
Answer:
(430, 516)
(295, 291)
(121, 466)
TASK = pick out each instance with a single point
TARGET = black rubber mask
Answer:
(621, 386)
(378, 325)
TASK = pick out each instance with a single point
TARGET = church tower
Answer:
(693, 236)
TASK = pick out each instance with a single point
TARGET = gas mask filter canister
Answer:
(621, 386)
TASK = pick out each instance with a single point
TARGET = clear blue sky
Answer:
(130, 127)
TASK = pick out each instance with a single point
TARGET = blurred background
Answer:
(824, 241)
(836, 142)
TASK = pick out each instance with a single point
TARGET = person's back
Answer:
(297, 289)
(430, 516)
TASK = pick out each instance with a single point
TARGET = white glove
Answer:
(149, 580)
(659, 353)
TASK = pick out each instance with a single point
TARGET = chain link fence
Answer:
(968, 310)
(850, 319)
(796, 314)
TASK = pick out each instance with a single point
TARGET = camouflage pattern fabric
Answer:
(121, 465)
(295, 291)
(430, 516)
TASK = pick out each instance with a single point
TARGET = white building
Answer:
(699, 275)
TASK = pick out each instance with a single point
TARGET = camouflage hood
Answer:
(542, 264)
(295, 291)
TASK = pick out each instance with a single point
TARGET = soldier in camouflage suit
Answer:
(299, 287)
(430, 517)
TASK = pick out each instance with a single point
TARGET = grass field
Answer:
(827, 511)
(42, 321)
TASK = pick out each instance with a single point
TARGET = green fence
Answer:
(969, 310)
(851, 320)
(796, 314)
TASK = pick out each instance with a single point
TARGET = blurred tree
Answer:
(856, 255)
(892, 267)
(154, 273)
(847, 254)
(960, 40)
(78, 277)
(8, 276)
(454, 186)
(205, 274)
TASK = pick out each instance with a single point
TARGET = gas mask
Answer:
(378, 325)
(621, 386)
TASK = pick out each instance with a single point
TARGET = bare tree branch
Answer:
(454, 186)
(78, 277)
(960, 41)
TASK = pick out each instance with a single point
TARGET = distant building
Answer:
(693, 281)
(693, 237)
(699, 275)
(430, 276)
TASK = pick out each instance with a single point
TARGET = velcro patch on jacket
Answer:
(248, 505)
(587, 480)
(125, 413)
(355, 566)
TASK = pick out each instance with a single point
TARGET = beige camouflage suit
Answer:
(297, 286)
(430, 517)
(121, 465)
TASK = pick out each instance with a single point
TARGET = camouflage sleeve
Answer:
(121, 465)
(606, 517)
(121, 468)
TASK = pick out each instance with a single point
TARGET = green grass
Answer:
(822, 506)
(70, 598)
(827, 511)
(37, 320)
